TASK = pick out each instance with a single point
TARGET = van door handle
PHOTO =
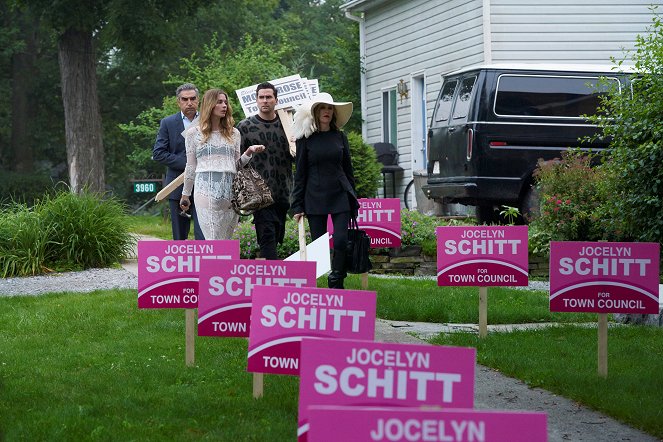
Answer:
(451, 129)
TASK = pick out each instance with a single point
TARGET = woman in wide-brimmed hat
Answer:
(324, 180)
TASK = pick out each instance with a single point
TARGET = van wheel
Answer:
(530, 204)
(487, 215)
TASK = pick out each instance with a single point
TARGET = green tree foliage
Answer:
(327, 48)
(141, 51)
(216, 66)
(32, 140)
(253, 61)
(342, 80)
(142, 27)
(635, 125)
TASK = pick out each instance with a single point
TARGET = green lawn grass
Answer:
(93, 366)
(152, 225)
(564, 360)
(422, 300)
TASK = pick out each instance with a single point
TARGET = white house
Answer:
(416, 41)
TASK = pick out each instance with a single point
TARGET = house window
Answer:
(389, 121)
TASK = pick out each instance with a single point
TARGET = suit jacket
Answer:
(169, 150)
(324, 179)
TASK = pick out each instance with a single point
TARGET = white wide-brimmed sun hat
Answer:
(304, 122)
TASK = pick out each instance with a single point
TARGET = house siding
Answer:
(414, 37)
(566, 31)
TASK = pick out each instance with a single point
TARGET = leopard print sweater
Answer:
(275, 163)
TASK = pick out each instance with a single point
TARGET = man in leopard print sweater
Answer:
(274, 164)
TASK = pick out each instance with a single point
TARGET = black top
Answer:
(324, 180)
(275, 163)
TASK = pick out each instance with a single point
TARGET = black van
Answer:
(491, 125)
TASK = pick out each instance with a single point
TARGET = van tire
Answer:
(487, 215)
(530, 205)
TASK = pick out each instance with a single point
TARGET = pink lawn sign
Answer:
(381, 219)
(168, 270)
(333, 423)
(345, 372)
(282, 316)
(482, 256)
(224, 302)
(604, 277)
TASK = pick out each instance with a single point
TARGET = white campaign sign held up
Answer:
(292, 91)
(317, 251)
(313, 87)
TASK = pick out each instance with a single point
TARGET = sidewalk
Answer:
(567, 420)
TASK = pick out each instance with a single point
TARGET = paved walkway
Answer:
(567, 420)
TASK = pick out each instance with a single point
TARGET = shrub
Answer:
(245, 233)
(85, 230)
(63, 231)
(539, 240)
(365, 164)
(290, 243)
(23, 241)
(571, 193)
(634, 124)
(416, 228)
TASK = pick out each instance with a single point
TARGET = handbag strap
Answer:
(238, 163)
(353, 223)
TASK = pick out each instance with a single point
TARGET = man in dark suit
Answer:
(170, 151)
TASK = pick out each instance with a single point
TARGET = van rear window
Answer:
(548, 96)
(445, 100)
(462, 106)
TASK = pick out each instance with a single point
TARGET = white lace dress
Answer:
(210, 168)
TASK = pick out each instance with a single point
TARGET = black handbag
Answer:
(359, 244)
(249, 191)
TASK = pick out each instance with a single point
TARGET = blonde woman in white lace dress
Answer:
(212, 158)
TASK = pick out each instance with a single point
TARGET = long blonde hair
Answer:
(227, 123)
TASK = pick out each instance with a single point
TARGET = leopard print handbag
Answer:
(249, 191)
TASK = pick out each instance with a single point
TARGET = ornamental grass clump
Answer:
(63, 231)
(23, 241)
(86, 230)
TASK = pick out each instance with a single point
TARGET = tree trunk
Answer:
(23, 71)
(82, 117)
